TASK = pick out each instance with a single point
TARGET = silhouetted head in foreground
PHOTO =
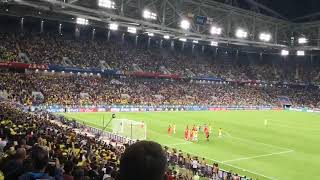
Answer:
(144, 160)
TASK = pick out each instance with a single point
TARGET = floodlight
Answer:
(132, 30)
(195, 41)
(302, 40)
(166, 36)
(149, 15)
(107, 4)
(240, 33)
(82, 21)
(185, 24)
(215, 30)
(214, 43)
(284, 52)
(150, 34)
(183, 39)
(300, 53)
(265, 37)
(113, 26)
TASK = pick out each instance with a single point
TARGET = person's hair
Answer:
(78, 173)
(144, 160)
(21, 153)
(40, 158)
(68, 167)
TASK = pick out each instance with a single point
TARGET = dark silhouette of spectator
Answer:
(68, 168)
(40, 159)
(14, 168)
(144, 160)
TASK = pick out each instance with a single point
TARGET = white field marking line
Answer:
(258, 156)
(248, 140)
(234, 166)
(230, 165)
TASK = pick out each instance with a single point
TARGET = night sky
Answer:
(292, 8)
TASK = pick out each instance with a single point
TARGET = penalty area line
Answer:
(258, 156)
(234, 166)
(253, 141)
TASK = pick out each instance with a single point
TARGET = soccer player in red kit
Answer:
(169, 130)
(207, 133)
(186, 133)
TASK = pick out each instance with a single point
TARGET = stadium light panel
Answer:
(195, 41)
(185, 24)
(82, 21)
(302, 40)
(132, 30)
(183, 39)
(265, 37)
(284, 52)
(214, 43)
(300, 53)
(113, 26)
(150, 34)
(240, 33)
(166, 37)
(215, 30)
(107, 4)
(149, 15)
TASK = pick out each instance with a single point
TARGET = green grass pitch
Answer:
(287, 148)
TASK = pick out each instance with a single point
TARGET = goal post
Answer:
(135, 130)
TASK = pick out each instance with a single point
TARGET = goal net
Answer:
(131, 129)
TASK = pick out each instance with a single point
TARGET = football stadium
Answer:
(159, 89)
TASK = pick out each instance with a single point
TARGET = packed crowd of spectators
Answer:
(33, 145)
(42, 146)
(79, 90)
(51, 49)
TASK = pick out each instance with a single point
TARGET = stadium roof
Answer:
(260, 18)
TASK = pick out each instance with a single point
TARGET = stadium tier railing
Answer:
(143, 108)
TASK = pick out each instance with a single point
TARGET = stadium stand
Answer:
(27, 137)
